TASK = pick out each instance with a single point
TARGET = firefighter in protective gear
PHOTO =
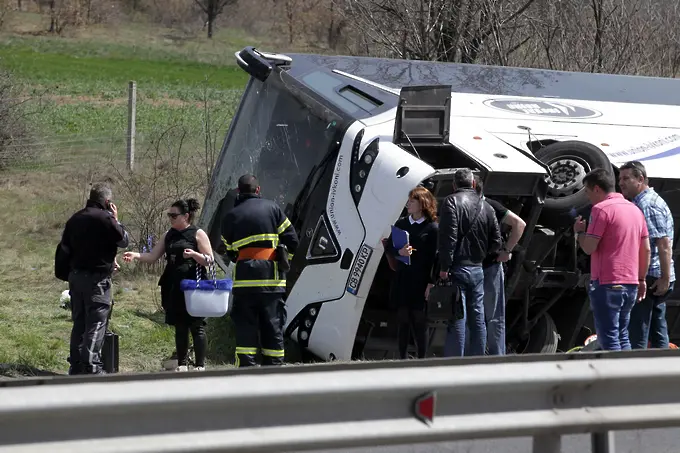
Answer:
(253, 233)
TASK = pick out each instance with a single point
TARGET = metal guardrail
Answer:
(346, 405)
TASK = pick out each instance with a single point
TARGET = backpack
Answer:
(62, 263)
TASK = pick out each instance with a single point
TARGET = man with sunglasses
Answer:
(648, 318)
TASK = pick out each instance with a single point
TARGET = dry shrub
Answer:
(14, 125)
(164, 172)
(173, 13)
(105, 12)
(6, 7)
(66, 14)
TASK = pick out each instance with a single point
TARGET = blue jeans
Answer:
(648, 320)
(611, 306)
(494, 309)
(470, 279)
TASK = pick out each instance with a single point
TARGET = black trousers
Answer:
(197, 329)
(259, 319)
(412, 320)
(90, 309)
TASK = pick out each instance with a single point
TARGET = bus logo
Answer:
(542, 108)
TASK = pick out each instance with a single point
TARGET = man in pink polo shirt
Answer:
(618, 243)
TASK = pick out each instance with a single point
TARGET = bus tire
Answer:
(569, 162)
(543, 337)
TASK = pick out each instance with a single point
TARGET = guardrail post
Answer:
(547, 443)
(603, 442)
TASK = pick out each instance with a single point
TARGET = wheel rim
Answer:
(567, 173)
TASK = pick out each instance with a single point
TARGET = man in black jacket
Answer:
(468, 233)
(91, 238)
(512, 229)
(252, 233)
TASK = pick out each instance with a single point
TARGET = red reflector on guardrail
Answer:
(425, 407)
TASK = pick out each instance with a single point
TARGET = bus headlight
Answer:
(361, 165)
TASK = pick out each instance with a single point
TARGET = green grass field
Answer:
(79, 124)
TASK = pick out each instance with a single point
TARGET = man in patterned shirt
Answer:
(648, 318)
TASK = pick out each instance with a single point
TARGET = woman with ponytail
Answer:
(184, 246)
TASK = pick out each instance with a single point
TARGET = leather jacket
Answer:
(468, 230)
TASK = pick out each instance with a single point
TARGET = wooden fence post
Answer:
(132, 113)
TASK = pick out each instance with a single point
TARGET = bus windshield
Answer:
(274, 137)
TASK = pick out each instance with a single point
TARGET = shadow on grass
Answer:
(157, 317)
(20, 370)
(220, 333)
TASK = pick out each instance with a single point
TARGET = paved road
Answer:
(647, 441)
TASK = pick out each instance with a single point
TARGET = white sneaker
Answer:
(182, 368)
(199, 368)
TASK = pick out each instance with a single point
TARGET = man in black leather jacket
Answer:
(468, 232)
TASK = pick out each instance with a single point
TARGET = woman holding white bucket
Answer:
(184, 245)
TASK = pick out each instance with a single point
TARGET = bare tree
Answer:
(442, 30)
(661, 46)
(337, 23)
(295, 12)
(212, 9)
(608, 36)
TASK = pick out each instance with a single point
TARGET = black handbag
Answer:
(110, 356)
(444, 302)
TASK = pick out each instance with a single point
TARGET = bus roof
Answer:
(497, 80)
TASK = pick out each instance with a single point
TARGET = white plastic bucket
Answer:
(202, 303)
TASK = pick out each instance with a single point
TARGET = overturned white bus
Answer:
(340, 141)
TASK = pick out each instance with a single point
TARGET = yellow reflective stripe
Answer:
(274, 238)
(276, 270)
(242, 350)
(258, 283)
(283, 226)
(290, 256)
(226, 244)
(273, 352)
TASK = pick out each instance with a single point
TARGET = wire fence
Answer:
(111, 148)
(189, 120)
(169, 165)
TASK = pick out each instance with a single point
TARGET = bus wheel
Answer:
(542, 338)
(569, 162)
